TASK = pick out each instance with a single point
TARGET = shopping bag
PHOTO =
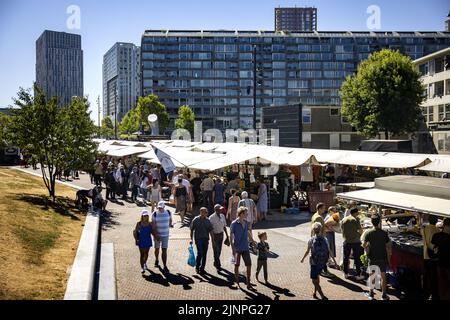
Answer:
(191, 259)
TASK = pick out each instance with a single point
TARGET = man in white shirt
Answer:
(219, 224)
(207, 187)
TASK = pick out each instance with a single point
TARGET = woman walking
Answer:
(155, 194)
(143, 236)
(180, 195)
(233, 205)
(262, 204)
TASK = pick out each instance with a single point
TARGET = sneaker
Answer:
(370, 295)
(385, 297)
(360, 278)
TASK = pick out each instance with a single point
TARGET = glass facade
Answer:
(212, 71)
(59, 65)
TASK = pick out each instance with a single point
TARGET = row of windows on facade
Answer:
(285, 41)
(437, 89)
(434, 66)
(443, 112)
(338, 48)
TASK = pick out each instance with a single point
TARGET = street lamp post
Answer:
(115, 114)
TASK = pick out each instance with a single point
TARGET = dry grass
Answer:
(38, 240)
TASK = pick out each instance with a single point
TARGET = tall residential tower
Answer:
(296, 19)
(121, 79)
(59, 65)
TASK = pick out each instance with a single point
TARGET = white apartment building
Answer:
(435, 70)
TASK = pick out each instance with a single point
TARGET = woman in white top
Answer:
(155, 194)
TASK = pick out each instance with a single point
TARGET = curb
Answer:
(107, 288)
(80, 285)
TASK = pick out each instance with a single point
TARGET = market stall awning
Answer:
(438, 165)
(380, 159)
(400, 200)
(104, 148)
(127, 151)
(361, 185)
(412, 193)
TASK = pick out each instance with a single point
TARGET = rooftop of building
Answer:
(433, 55)
(272, 33)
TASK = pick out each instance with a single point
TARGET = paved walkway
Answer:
(287, 236)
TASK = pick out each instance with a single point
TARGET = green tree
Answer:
(384, 95)
(5, 121)
(107, 128)
(186, 119)
(151, 105)
(59, 137)
(129, 123)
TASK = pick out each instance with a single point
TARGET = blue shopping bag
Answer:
(191, 259)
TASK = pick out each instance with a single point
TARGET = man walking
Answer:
(201, 228)
(135, 181)
(219, 225)
(248, 203)
(351, 232)
(377, 244)
(319, 217)
(161, 223)
(207, 187)
(240, 235)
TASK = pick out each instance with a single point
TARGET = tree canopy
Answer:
(58, 137)
(107, 128)
(129, 123)
(5, 120)
(384, 95)
(151, 105)
(186, 119)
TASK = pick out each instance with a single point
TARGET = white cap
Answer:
(244, 194)
(145, 213)
(161, 204)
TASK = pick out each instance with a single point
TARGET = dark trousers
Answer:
(430, 283)
(110, 193)
(98, 179)
(217, 248)
(262, 264)
(134, 193)
(124, 190)
(202, 249)
(357, 252)
(208, 200)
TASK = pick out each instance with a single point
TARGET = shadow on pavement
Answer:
(277, 291)
(220, 282)
(108, 220)
(276, 224)
(346, 284)
(254, 294)
(168, 279)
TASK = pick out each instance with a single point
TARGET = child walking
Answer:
(263, 249)
(143, 236)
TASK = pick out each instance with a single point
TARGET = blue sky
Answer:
(105, 22)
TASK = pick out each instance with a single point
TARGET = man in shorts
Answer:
(240, 236)
(377, 245)
(161, 223)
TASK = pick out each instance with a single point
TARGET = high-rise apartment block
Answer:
(59, 65)
(296, 19)
(121, 79)
(212, 71)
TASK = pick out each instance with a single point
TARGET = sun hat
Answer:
(144, 213)
(161, 204)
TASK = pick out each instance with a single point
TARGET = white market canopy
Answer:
(412, 193)
(438, 165)
(203, 156)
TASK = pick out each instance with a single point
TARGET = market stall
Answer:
(404, 202)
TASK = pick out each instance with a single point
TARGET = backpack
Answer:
(319, 251)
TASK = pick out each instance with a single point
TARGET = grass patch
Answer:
(37, 237)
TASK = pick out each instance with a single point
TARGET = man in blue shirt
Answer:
(240, 237)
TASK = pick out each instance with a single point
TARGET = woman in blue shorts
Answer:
(143, 237)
